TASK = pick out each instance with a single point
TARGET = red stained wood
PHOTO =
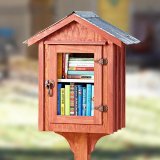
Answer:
(41, 79)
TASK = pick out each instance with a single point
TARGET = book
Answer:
(59, 99)
(63, 65)
(80, 72)
(81, 59)
(67, 100)
(72, 109)
(62, 102)
(80, 77)
(81, 64)
(59, 62)
(79, 100)
(81, 68)
(92, 102)
(66, 65)
(88, 101)
(84, 101)
(76, 99)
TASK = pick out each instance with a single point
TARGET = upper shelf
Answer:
(76, 80)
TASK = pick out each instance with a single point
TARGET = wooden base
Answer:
(82, 144)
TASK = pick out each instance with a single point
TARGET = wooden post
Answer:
(82, 144)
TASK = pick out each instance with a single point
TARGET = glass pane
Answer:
(75, 72)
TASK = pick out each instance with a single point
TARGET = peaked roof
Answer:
(95, 20)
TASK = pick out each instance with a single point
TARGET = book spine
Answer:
(67, 100)
(59, 71)
(81, 59)
(92, 104)
(84, 102)
(63, 65)
(72, 109)
(76, 99)
(80, 72)
(62, 102)
(66, 65)
(80, 77)
(59, 99)
(79, 100)
(89, 94)
(80, 65)
(81, 68)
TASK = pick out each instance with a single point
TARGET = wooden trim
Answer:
(66, 21)
(75, 43)
(41, 61)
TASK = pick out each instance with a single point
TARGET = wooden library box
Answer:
(82, 75)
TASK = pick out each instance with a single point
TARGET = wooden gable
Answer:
(75, 32)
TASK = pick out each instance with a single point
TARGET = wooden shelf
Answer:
(76, 80)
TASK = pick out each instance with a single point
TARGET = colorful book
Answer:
(81, 68)
(92, 103)
(66, 65)
(81, 59)
(84, 101)
(72, 109)
(67, 100)
(59, 99)
(62, 102)
(81, 73)
(80, 100)
(76, 99)
(88, 102)
(59, 62)
(80, 77)
(81, 64)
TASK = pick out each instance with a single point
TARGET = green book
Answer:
(67, 100)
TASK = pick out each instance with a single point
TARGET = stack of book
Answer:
(75, 99)
(75, 67)
(80, 68)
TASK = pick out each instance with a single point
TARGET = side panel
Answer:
(41, 78)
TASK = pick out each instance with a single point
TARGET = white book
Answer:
(81, 65)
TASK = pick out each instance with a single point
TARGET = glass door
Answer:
(77, 84)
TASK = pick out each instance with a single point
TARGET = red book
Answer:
(72, 109)
(63, 65)
(81, 68)
(80, 77)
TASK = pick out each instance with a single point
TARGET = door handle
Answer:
(49, 85)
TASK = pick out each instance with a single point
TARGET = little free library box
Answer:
(82, 79)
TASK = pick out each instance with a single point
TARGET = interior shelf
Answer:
(76, 80)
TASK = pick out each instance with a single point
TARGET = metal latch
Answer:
(101, 108)
(49, 85)
(102, 61)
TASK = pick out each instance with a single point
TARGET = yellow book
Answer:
(59, 67)
(67, 100)
(62, 101)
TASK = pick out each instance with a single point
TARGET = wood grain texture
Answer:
(75, 31)
(72, 18)
(41, 95)
(82, 144)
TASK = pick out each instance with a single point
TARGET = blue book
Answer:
(84, 101)
(59, 99)
(92, 103)
(80, 98)
(88, 102)
(76, 99)
(80, 72)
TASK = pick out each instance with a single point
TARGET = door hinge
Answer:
(101, 108)
(102, 61)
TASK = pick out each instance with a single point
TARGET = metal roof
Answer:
(107, 27)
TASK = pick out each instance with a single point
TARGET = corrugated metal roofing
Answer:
(107, 27)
